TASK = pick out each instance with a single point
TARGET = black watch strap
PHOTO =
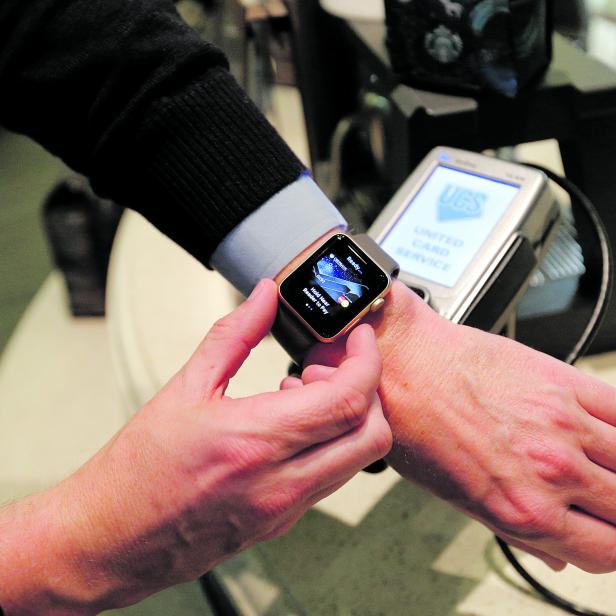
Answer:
(292, 335)
(376, 253)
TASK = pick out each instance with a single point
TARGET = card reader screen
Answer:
(447, 223)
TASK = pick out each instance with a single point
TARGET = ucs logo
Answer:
(460, 203)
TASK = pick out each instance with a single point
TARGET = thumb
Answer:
(227, 345)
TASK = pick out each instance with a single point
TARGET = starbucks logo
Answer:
(444, 45)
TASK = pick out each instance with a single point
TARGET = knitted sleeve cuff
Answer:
(205, 158)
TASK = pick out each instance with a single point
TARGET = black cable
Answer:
(547, 594)
(605, 290)
(216, 595)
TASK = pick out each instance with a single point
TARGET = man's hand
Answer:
(514, 438)
(194, 477)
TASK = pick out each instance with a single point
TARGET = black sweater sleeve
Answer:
(127, 94)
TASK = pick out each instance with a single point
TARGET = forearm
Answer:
(419, 350)
(405, 327)
(408, 328)
(127, 94)
(430, 371)
(36, 572)
(95, 541)
(76, 74)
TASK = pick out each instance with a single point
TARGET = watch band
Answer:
(376, 253)
(292, 335)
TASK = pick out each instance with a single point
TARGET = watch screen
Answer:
(446, 223)
(333, 286)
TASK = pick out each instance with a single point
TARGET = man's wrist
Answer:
(408, 331)
(404, 320)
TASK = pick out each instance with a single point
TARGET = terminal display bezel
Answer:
(532, 184)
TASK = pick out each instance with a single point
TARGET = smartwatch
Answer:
(331, 291)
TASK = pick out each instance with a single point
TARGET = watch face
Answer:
(333, 286)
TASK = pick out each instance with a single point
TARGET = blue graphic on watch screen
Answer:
(336, 284)
(338, 280)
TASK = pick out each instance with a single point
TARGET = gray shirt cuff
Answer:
(267, 240)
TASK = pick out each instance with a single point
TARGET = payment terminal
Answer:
(468, 230)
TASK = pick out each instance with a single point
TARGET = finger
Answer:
(598, 443)
(588, 543)
(361, 368)
(597, 494)
(328, 491)
(597, 398)
(316, 372)
(298, 512)
(327, 354)
(298, 418)
(229, 342)
(342, 458)
(553, 563)
(291, 382)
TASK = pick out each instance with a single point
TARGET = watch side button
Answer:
(377, 304)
